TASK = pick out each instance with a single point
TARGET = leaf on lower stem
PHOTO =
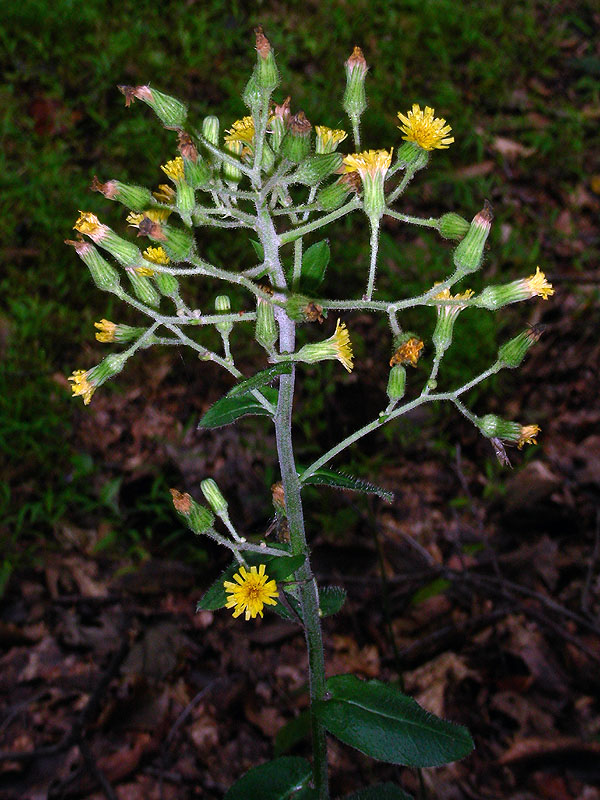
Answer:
(341, 480)
(281, 779)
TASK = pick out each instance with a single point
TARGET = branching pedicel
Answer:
(252, 181)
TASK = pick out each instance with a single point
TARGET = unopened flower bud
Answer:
(137, 198)
(213, 496)
(266, 328)
(231, 173)
(316, 168)
(296, 144)
(223, 306)
(279, 123)
(514, 351)
(210, 129)
(267, 76)
(333, 196)
(199, 518)
(197, 173)
(469, 253)
(104, 275)
(171, 112)
(143, 289)
(252, 95)
(396, 382)
(355, 100)
(167, 285)
(453, 226)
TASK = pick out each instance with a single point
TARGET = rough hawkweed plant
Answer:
(244, 180)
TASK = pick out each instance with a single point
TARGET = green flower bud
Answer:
(143, 289)
(514, 351)
(104, 275)
(210, 129)
(396, 382)
(213, 496)
(231, 173)
(197, 174)
(267, 76)
(176, 242)
(316, 168)
(268, 158)
(167, 284)
(497, 428)
(252, 95)
(453, 226)
(170, 111)
(137, 198)
(411, 157)
(199, 518)
(469, 253)
(185, 201)
(265, 331)
(223, 305)
(296, 144)
(333, 196)
(355, 100)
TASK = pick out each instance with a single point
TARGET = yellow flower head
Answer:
(538, 286)
(88, 223)
(155, 214)
(528, 435)
(252, 591)
(157, 255)
(343, 345)
(174, 169)
(145, 272)
(82, 386)
(106, 331)
(453, 309)
(242, 130)
(422, 128)
(369, 162)
(164, 193)
(328, 138)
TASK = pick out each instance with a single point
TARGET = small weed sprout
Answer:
(250, 178)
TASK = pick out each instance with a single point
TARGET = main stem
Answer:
(309, 596)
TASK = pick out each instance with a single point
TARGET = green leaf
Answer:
(431, 589)
(285, 778)
(331, 600)
(387, 725)
(281, 610)
(382, 791)
(276, 567)
(293, 732)
(228, 409)
(260, 379)
(340, 480)
(314, 263)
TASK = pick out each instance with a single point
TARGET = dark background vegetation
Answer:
(519, 83)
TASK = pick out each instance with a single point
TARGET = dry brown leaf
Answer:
(511, 149)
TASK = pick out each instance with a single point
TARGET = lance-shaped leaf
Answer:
(285, 778)
(314, 263)
(382, 791)
(341, 480)
(293, 732)
(228, 409)
(261, 379)
(387, 725)
(276, 567)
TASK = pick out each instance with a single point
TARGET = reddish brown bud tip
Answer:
(135, 92)
(283, 111)
(149, 228)
(357, 59)
(352, 181)
(108, 189)
(79, 245)
(278, 494)
(186, 147)
(486, 215)
(181, 501)
(263, 46)
(300, 125)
